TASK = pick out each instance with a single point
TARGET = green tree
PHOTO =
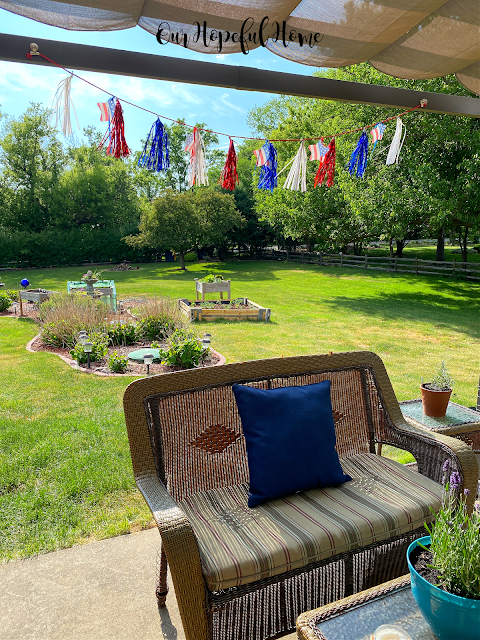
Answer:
(182, 221)
(32, 161)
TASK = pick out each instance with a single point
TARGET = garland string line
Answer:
(327, 166)
(397, 143)
(423, 103)
(156, 158)
(229, 178)
(298, 171)
(61, 107)
(358, 159)
(117, 145)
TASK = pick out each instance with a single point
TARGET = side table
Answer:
(459, 422)
(357, 617)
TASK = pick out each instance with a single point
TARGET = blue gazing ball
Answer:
(24, 283)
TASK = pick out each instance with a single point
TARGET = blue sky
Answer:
(223, 110)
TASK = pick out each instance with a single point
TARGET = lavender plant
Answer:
(455, 541)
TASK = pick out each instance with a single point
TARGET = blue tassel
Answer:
(359, 157)
(157, 158)
(268, 172)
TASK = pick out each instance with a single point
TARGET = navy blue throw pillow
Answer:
(290, 436)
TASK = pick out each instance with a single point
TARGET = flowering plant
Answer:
(455, 541)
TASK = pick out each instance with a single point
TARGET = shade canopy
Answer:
(412, 39)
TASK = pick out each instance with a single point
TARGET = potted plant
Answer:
(436, 394)
(445, 567)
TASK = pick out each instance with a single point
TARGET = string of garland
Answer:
(157, 157)
(358, 159)
(229, 178)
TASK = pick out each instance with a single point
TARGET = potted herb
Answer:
(436, 394)
(445, 567)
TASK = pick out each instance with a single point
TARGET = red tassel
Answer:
(117, 145)
(229, 178)
(327, 167)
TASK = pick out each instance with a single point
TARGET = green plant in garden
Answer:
(455, 542)
(184, 350)
(13, 295)
(211, 277)
(122, 333)
(191, 256)
(63, 315)
(442, 380)
(158, 318)
(99, 348)
(5, 300)
(116, 363)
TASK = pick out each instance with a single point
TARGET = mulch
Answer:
(134, 368)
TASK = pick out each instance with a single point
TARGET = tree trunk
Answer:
(390, 245)
(440, 255)
(182, 260)
(400, 247)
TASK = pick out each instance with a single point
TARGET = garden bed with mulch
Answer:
(100, 367)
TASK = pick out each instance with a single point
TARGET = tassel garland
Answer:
(61, 107)
(229, 178)
(117, 145)
(157, 158)
(267, 159)
(358, 160)
(327, 166)
(397, 143)
(197, 173)
(298, 171)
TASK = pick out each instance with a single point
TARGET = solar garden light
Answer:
(87, 347)
(148, 359)
(206, 340)
(82, 337)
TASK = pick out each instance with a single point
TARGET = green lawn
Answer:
(65, 467)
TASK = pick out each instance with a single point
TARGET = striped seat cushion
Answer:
(239, 545)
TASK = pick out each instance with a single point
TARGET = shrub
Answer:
(117, 364)
(5, 300)
(99, 349)
(183, 350)
(63, 315)
(191, 256)
(122, 333)
(13, 295)
(158, 318)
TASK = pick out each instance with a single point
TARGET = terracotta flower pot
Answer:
(435, 403)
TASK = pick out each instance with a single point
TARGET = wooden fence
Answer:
(463, 270)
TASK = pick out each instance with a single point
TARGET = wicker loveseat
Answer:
(243, 573)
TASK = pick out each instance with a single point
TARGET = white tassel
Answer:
(298, 171)
(198, 170)
(61, 107)
(397, 143)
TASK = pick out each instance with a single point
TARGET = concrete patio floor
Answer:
(99, 591)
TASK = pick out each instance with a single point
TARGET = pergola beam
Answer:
(156, 67)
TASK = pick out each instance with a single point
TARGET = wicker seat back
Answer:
(197, 437)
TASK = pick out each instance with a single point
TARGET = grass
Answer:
(65, 468)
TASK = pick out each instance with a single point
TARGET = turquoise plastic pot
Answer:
(450, 617)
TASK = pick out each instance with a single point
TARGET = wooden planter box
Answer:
(193, 311)
(35, 295)
(212, 287)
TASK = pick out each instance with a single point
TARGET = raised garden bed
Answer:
(202, 288)
(239, 309)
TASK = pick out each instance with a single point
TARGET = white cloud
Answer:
(221, 56)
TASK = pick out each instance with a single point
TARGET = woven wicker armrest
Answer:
(430, 450)
(181, 549)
